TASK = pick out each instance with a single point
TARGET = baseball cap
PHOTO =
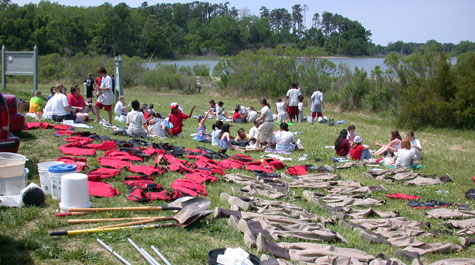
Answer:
(358, 139)
(173, 106)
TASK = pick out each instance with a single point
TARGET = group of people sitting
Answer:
(241, 114)
(402, 152)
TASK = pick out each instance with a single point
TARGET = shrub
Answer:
(201, 69)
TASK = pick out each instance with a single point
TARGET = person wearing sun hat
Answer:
(358, 150)
(176, 119)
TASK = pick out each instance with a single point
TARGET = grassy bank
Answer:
(24, 235)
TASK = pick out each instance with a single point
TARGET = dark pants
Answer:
(60, 118)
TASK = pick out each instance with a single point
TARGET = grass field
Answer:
(24, 235)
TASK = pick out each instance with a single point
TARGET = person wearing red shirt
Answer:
(359, 151)
(342, 145)
(78, 104)
(176, 119)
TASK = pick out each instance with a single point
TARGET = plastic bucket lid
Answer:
(213, 256)
(63, 168)
(44, 166)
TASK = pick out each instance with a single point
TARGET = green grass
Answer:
(24, 235)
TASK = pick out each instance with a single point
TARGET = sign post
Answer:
(119, 85)
(20, 63)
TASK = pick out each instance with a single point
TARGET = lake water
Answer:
(367, 64)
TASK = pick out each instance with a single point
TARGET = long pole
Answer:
(140, 251)
(160, 255)
(113, 252)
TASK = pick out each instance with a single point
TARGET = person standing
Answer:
(317, 104)
(264, 132)
(89, 86)
(293, 97)
(106, 97)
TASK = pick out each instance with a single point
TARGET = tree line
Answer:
(172, 30)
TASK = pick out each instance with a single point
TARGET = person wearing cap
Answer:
(358, 150)
(176, 119)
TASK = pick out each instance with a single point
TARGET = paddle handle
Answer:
(69, 214)
(98, 220)
(143, 208)
(146, 221)
(97, 230)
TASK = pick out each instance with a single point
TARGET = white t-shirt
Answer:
(417, 143)
(215, 136)
(135, 120)
(317, 97)
(404, 157)
(107, 97)
(300, 106)
(252, 132)
(119, 106)
(283, 138)
(267, 112)
(157, 128)
(252, 116)
(280, 107)
(219, 112)
(293, 95)
(58, 102)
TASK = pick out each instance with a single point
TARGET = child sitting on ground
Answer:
(358, 150)
(252, 115)
(404, 156)
(351, 133)
(281, 113)
(237, 117)
(201, 130)
(242, 139)
(253, 131)
(157, 126)
(216, 132)
(220, 114)
(392, 146)
(136, 121)
(225, 138)
(342, 145)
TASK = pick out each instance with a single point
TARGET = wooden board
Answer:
(262, 149)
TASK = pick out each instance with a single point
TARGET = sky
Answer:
(388, 20)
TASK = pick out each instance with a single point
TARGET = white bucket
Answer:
(74, 191)
(55, 174)
(12, 186)
(11, 164)
(44, 175)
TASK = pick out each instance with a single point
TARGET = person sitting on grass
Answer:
(176, 119)
(253, 132)
(392, 146)
(120, 110)
(404, 156)
(77, 102)
(58, 109)
(216, 132)
(358, 150)
(220, 114)
(342, 145)
(351, 133)
(225, 138)
(237, 117)
(212, 106)
(415, 144)
(284, 140)
(157, 126)
(136, 121)
(242, 139)
(201, 130)
(252, 115)
(37, 103)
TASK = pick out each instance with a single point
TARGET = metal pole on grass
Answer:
(113, 252)
(160, 255)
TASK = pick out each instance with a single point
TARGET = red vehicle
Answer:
(10, 121)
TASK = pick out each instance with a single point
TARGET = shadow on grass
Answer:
(13, 252)
(25, 136)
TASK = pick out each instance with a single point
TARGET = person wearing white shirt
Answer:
(283, 139)
(253, 132)
(252, 115)
(264, 132)
(220, 114)
(106, 96)
(317, 104)
(136, 121)
(119, 110)
(281, 113)
(404, 155)
(157, 126)
(415, 144)
(58, 106)
(293, 97)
